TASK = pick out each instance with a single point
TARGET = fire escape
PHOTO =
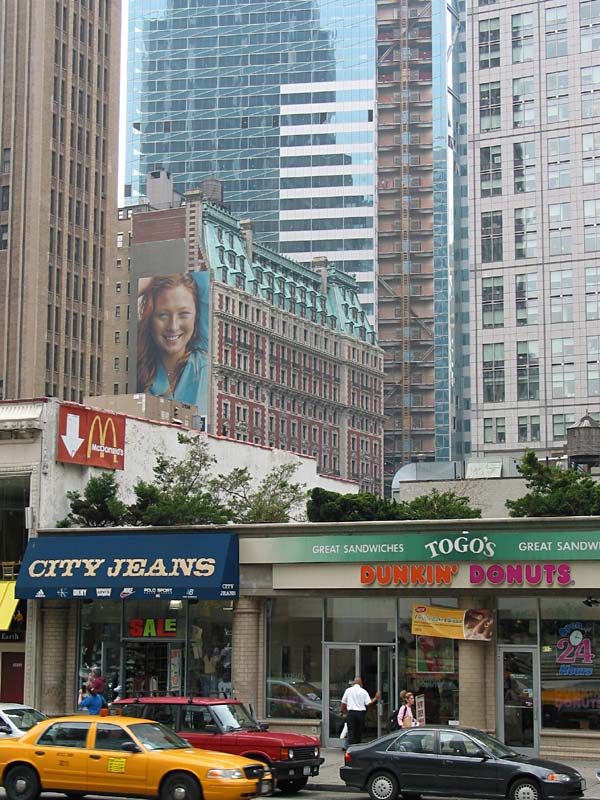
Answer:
(405, 228)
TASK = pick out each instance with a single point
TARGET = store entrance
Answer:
(153, 668)
(376, 664)
(518, 698)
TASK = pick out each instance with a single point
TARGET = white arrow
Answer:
(71, 438)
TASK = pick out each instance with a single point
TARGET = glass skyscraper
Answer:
(275, 99)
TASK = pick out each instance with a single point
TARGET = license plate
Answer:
(306, 771)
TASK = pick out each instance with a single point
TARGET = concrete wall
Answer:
(35, 454)
(488, 494)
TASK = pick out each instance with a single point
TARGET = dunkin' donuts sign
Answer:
(90, 437)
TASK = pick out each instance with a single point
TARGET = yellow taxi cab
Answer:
(125, 756)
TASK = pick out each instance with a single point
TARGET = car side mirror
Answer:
(131, 747)
(481, 754)
(264, 726)
(210, 728)
(5, 728)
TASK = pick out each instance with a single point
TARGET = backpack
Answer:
(393, 720)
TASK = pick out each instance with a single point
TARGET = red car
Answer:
(226, 725)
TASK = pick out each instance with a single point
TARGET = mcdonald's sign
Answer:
(90, 437)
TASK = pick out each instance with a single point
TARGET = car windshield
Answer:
(23, 718)
(233, 717)
(156, 737)
(495, 746)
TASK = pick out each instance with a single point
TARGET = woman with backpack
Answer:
(406, 718)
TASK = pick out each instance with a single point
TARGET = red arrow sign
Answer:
(90, 437)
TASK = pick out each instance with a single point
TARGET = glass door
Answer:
(341, 667)
(518, 698)
(377, 671)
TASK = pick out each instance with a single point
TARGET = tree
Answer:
(554, 491)
(181, 492)
(324, 506)
(99, 507)
(275, 498)
(184, 492)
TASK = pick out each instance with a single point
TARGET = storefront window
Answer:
(360, 619)
(294, 680)
(209, 648)
(428, 665)
(570, 664)
(517, 620)
(100, 642)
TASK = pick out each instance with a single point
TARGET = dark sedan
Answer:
(454, 762)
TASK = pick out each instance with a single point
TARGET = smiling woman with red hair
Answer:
(171, 362)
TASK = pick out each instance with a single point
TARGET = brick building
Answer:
(294, 362)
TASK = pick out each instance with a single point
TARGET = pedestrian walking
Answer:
(406, 718)
(355, 703)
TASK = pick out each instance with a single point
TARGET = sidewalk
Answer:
(328, 779)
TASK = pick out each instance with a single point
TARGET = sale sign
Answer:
(91, 437)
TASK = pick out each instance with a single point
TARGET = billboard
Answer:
(452, 623)
(172, 337)
(90, 437)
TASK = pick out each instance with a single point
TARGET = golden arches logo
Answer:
(101, 447)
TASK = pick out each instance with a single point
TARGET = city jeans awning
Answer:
(131, 564)
(8, 604)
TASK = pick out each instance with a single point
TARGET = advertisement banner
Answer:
(173, 337)
(426, 547)
(452, 623)
(172, 566)
(434, 654)
(90, 437)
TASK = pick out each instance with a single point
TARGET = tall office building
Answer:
(534, 165)
(277, 101)
(421, 125)
(59, 80)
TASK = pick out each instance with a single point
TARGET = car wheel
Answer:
(526, 789)
(179, 786)
(382, 786)
(22, 783)
(291, 787)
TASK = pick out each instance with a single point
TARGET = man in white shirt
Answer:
(355, 702)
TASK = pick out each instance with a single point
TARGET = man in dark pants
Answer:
(355, 702)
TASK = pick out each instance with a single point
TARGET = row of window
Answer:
(562, 369)
(524, 167)
(523, 99)
(75, 325)
(527, 298)
(527, 428)
(526, 233)
(556, 29)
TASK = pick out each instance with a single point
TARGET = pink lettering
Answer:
(476, 574)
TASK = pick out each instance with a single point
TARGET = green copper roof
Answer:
(279, 280)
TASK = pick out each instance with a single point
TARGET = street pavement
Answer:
(328, 779)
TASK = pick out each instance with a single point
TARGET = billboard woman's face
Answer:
(173, 320)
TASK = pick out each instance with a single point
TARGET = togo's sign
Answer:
(90, 437)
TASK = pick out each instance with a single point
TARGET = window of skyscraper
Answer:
(523, 95)
(489, 43)
(522, 37)
(557, 96)
(524, 164)
(491, 236)
(490, 170)
(489, 106)
(589, 15)
(563, 368)
(525, 232)
(561, 295)
(556, 31)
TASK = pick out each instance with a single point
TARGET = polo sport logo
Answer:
(101, 447)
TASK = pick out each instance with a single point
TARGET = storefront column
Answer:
(247, 641)
(56, 689)
(477, 682)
